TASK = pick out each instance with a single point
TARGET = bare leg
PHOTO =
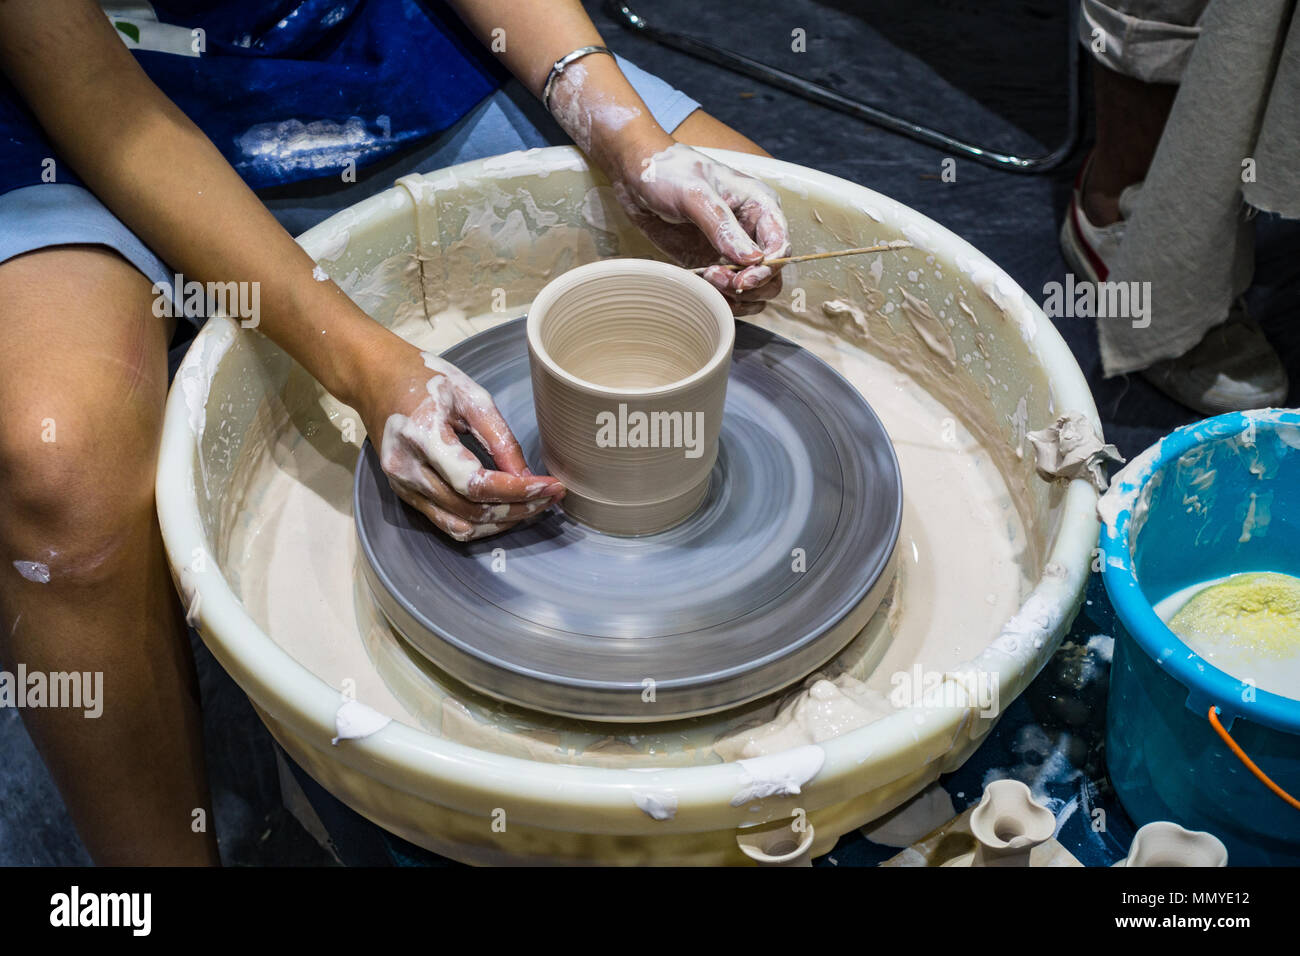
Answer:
(81, 403)
(1130, 120)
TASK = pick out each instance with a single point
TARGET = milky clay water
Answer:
(965, 559)
(1247, 625)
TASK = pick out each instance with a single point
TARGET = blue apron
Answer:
(288, 89)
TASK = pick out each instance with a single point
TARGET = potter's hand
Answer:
(694, 208)
(422, 405)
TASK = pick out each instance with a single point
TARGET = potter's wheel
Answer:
(707, 615)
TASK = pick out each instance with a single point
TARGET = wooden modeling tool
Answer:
(808, 257)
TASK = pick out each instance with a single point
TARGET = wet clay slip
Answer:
(629, 361)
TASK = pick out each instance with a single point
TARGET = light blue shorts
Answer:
(57, 214)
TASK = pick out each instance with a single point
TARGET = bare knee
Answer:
(78, 503)
(81, 396)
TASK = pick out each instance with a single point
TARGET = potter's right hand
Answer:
(697, 209)
(420, 407)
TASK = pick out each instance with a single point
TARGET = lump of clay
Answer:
(1071, 448)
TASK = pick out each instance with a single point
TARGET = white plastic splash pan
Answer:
(480, 240)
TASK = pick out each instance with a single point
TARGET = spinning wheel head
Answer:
(780, 566)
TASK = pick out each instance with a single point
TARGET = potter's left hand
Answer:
(416, 406)
(694, 208)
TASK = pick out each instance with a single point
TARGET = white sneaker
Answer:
(1232, 369)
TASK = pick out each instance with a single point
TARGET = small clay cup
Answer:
(629, 361)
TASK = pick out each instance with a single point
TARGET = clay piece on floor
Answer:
(1008, 823)
(1011, 829)
(1163, 843)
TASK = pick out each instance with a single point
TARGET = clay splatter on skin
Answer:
(34, 571)
(674, 182)
(581, 111)
(679, 165)
(422, 450)
(427, 429)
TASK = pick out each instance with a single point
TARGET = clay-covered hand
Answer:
(418, 416)
(696, 209)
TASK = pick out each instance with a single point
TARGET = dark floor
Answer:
(988, 69)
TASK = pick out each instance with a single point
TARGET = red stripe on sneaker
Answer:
(1093, 259)
(1099, 267)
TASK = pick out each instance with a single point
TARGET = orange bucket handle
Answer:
(1250, 764)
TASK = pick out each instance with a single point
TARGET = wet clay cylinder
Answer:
(629, 361)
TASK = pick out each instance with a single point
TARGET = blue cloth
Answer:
(508, 120)
(34, 217)
(291, 89)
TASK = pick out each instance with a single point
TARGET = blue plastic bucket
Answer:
(1181, 514)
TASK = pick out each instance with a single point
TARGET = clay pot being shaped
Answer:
(1163, 843)
(629, 361)
(1008, 824)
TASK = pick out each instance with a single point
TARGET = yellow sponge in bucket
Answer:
(1257, 611)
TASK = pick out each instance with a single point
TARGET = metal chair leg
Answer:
(815, 92)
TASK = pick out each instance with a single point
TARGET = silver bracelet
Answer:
(562, 64)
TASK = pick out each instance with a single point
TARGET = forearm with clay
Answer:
(695, 209)
(677, 195)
